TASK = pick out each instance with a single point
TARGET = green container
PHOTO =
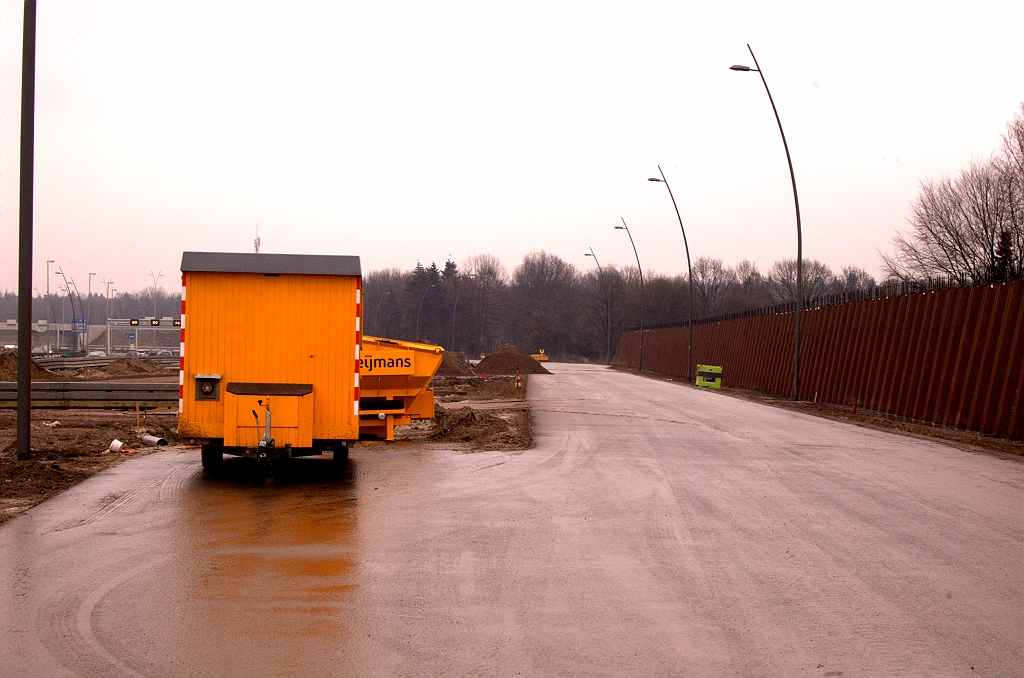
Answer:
(709, 376)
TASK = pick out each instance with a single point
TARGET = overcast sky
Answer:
(422, 131)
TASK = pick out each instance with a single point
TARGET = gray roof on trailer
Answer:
(237, 262)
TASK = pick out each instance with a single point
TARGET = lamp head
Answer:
(655, 179)
(739, 67)
(620, 228)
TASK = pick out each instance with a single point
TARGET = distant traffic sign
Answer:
(130, 335)
(134, 321)
(154, 322)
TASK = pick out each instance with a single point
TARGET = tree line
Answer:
(62, 307)
(548, 303)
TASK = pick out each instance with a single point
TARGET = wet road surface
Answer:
(654, 530)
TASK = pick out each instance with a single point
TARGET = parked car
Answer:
(97, 354)
(132, 353)
(164, 353)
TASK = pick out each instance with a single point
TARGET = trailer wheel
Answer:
(213, 457)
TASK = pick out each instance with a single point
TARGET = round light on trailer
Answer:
(206, 387)
(382, 416)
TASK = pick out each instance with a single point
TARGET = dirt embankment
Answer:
(509, 359)
(9, 368)
(455, 389)
(68, 446)
(118, 369)
(122, 368)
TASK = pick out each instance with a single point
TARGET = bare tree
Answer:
(485, 295)
(957, 225)
(855, 279)
(710, 281)
(544, 302)
(818, 280)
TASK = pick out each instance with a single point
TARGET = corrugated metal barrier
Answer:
(953, 357)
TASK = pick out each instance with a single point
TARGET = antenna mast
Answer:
(256, 242)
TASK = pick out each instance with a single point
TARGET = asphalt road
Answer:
(654, 530)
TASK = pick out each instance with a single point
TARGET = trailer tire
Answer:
(213, 457)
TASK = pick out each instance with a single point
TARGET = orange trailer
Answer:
(269, 354)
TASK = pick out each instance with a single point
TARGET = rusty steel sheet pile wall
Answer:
(953, 357)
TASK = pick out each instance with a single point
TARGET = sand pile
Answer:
(9, 368)
(454, 365)
(509, 359)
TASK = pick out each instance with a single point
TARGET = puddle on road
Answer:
(265, 569)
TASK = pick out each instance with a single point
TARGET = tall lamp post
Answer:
(417, 337)
(88, 312)
(455, 306)
(608, 307)
(689, 322)
(376, 312)
(640, 364)
(799, 237)
(156, 280)
(49, 307)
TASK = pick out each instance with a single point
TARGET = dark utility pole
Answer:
(640, 365)
(799, 237)
(689, 322)
(28, 120)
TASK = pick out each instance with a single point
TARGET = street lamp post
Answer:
(376, 312)
(799, 236)
(455, 306)
(88, 312)
(640, 362)
(49, 339)
(689, 322)
(608, 307)
(108, 283)
(156, 280)
(417, 337)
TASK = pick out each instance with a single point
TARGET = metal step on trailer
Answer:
(93, 395)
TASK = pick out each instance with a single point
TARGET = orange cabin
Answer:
(269, 337)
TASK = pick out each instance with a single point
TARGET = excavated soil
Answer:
(9, 368)
(451, 389)
(118, 369)
(509, 359)
(469, 430)
(68, 446)
(454, 365)
(123, 368)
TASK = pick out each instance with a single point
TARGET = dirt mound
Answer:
(509, 359)
(485, 430)
(131, 366)
(454, 365)
(9, 368)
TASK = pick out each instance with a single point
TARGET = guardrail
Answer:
(62, 363)
(93, 395)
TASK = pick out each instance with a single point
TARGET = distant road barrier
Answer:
(93, 395)
(953, 357)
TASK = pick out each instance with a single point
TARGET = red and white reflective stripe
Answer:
(359, 315)
(181, 352)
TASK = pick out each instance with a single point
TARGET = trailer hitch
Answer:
(266, 440)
